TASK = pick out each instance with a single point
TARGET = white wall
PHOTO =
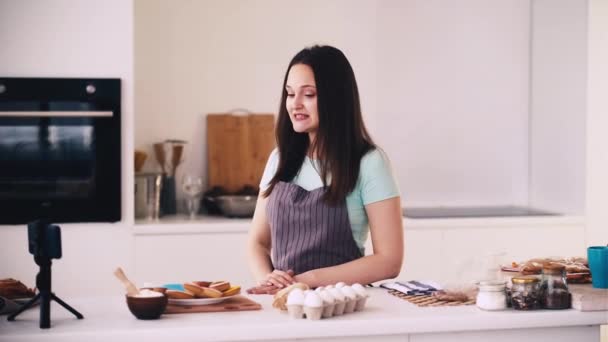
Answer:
(444, 85)
(453, 99)
(199, 57)
(558, 103)
(597, 121)
(73, 38)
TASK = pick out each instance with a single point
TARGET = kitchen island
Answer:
(385, 318)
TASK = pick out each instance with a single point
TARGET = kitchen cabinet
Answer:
(171, 254)
(181, 258)
(451, 251)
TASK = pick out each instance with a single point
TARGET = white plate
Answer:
(198, 301)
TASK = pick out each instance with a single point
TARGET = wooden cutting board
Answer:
(238, 303)
(587, 298)
(238, 147)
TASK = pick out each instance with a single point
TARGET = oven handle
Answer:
(58, 114)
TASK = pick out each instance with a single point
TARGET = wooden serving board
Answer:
(238, 147)
(238, 303)
(587, 298)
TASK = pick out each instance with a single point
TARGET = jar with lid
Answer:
(491, 295)
(526, 293)
(555, 293)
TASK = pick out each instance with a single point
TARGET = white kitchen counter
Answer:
(385, 318)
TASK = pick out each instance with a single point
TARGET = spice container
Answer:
(491, 295)
(526, 293)
(555, 293)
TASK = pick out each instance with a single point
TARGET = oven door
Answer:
(60, 161)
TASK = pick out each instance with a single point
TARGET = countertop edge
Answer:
(217, 225)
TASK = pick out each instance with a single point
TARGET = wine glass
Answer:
(193, 188)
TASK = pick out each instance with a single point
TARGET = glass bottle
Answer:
(526, 293)
(555, 293)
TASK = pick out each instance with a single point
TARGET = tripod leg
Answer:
(66, 306)
(45, 309)
(24, 307)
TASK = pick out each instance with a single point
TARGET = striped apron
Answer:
(306, 233)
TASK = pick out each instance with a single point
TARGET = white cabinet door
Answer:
(183, 258)
(470, 254)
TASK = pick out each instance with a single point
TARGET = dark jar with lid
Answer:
(526, 293)
(555, 293)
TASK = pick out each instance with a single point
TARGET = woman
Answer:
(325, 186)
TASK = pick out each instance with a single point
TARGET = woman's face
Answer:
(301, 99)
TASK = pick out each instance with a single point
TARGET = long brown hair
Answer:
(341, 139)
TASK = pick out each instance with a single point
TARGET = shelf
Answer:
(473, 212)
(181, 224)
(492, 222)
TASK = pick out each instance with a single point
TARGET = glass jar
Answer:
(526, 293)
(491, 295)
(555, 293)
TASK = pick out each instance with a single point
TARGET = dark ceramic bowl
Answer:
(147, 307)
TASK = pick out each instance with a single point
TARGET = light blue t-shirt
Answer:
(376, 183)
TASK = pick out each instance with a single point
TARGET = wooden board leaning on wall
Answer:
(238, 147)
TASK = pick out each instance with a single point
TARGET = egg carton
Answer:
(326, 311)
(323, 302)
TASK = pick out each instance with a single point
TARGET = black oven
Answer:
(60, 150)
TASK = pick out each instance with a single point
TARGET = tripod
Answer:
(43, 283)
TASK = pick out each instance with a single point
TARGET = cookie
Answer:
(174, 294)
(220, 285)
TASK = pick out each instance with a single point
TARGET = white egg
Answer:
(295, 297)
(313, 300)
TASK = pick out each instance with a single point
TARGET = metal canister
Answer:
(147, 195)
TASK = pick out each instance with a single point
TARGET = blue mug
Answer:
(598, 264)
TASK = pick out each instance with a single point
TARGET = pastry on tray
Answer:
(577, 268)
(14, 289)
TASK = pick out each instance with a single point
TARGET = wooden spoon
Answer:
(176, 157)
(131, 288)
(159, 153)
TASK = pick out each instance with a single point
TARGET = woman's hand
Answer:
(279, 279)
(273, 283)
(263, 289)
